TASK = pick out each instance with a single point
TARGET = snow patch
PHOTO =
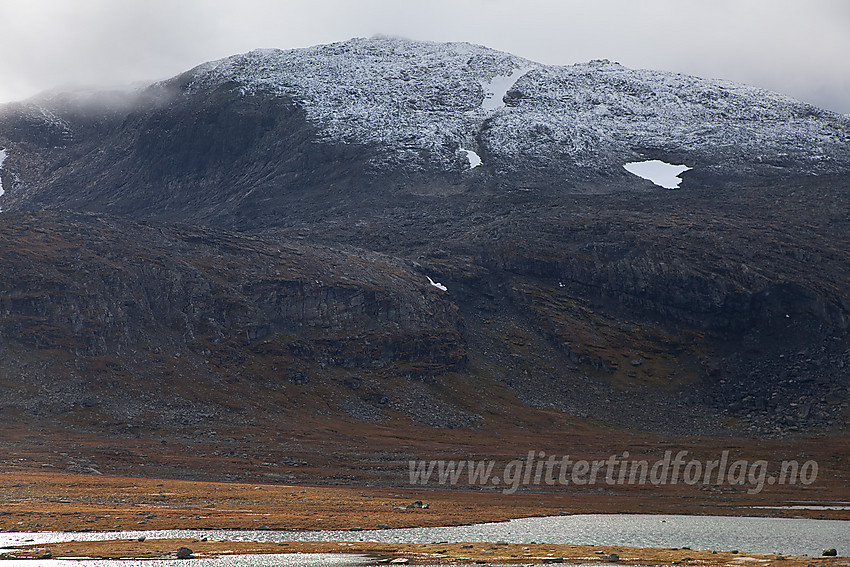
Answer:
(662, 174)
(496, 89)
(438, 285)
(474, 159)
(3, 156)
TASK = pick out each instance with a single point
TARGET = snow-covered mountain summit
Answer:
(423, 101)
(429, 104)
(246, 136)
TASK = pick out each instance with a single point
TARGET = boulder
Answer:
(184, 553)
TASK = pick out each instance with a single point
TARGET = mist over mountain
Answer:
(272, 226)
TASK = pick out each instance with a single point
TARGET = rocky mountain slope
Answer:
(322, 194)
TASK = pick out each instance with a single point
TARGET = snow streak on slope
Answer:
(438, 285)
(423, 103)
(3, 156)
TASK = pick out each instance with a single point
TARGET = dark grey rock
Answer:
(184, 553)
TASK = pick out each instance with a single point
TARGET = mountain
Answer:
(388, 231)
(265, 132)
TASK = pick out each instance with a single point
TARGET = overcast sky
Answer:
(797, 47)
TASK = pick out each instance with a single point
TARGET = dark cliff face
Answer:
(104, 300)
(103, 284)
(300, 266)
(720, 325)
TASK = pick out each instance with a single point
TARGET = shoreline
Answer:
(48, 501)
(430, 553)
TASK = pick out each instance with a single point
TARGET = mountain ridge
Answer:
(406, 114)
(344, 72)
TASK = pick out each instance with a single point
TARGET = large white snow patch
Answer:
(495, 90)
(662, 174)
(474, 159)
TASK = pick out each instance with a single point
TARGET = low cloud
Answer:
(798, 48)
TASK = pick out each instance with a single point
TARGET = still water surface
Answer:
(758, 535)
(283, 560)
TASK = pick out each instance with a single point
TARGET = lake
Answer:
(757, 535)
(269, 560)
